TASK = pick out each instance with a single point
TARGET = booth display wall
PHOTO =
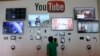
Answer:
(27, 47)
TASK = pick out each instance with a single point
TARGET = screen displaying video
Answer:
(62, 24)
(15, 14)
(88, 26)
(35, 20)
(84, 13)
(13, 27)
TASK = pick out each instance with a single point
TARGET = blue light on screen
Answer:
(12, 27)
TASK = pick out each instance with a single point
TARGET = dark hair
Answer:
(50, 39)
(55, 39)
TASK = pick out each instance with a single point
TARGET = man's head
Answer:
(50, 39)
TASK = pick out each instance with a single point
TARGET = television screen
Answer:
(62, 24)
(13, 27)
(84, 13)
(15, 13)
(35, 20)
(88, 26)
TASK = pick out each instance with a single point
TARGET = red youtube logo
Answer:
(56, 6)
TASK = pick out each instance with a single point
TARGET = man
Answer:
(51, 47)
(38, 21)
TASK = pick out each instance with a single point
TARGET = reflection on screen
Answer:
(62, 24)
(12, 27)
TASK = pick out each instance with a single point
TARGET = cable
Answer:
(37, 53)
(92, 51)
(89, 52)
(95, 48)
(62, 52)
(13, 53)
(38, 48)
(88, 48)
(62, 48)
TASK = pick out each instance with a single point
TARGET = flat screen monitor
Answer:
(15, 14)
(88, 26)
(84, 13)
(12, 27)
(37, 20)
(62, 24)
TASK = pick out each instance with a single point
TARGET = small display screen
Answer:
(15, 14)
(35, 20)
(13, 27)
(88, 26)
(84, 13)
(62, 24)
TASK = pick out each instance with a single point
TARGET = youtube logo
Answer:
(51, 6)
(56, 6)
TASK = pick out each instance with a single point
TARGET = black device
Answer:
(31, 37)
(15, 14)
(62, 40)
(6, 38)
(62, 47)
(87, 38)
(13, 37)
(13, 47)
(38, 47)
(81, 38)
(89, 47)
(20, 37)
(69, 33)
(69, 39)
(45, 31)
